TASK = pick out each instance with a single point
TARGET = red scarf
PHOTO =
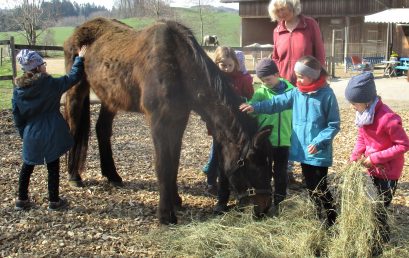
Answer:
(314, 86)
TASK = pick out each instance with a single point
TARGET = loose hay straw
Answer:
(296, 232)
(357, 223)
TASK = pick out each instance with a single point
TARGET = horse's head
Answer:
(250, 176)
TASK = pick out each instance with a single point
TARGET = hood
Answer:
(29, 93)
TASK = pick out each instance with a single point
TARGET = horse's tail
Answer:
(77, 114)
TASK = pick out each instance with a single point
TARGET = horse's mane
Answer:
(216, 79)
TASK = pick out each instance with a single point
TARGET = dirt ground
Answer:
(107, 221)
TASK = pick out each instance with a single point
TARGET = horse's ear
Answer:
(261, 136)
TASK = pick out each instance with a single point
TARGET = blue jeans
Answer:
(212, 164)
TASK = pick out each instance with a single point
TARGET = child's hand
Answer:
(312, 149)
(367, 162)
(246, 108)
(83, 50)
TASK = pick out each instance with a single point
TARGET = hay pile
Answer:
(296, 232)
(357, 223)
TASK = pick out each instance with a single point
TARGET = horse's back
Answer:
(133, 70)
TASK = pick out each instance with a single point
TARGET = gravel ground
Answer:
(107, 221)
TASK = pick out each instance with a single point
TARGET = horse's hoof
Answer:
(116, 183)
(76, 183)
(168, 220)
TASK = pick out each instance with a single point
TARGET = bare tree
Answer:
(159, 8)
(206, 18)
(32, 19)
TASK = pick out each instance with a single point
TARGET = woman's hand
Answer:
(83, 50)
(246, 108)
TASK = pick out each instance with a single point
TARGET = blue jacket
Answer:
(36, 112)
(315, 121)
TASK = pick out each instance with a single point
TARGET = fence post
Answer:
(13, 58)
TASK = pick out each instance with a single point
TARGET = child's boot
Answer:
(22, 205)
(59, 205)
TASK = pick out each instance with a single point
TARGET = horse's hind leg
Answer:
(167, 134)
(104, 133)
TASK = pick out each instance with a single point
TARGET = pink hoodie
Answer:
(385, 142)
(304, 40)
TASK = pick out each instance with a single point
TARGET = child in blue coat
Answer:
(315, 123)
(36, 112)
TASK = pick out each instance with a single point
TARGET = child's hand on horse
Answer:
(246, 108)
(83, 50)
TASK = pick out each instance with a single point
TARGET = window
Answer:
(372, 36)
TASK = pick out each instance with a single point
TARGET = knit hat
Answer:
(266, 67)
(29, 59)
(242, 60)
(361, 88)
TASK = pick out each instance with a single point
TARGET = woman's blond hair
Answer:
(226, 52)
(295, 5)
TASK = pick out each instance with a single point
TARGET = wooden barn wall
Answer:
(343, 8)
(325, 8)
(252, 10)
(257, 31)
(331, 14)
(402, 40)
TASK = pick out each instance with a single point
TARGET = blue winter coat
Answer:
(36, 112)
(315, 121)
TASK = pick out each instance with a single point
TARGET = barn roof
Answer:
(394, 15)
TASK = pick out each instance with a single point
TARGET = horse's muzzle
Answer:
(260, 200)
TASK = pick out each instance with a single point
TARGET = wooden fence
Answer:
(256, 53)
(13, 50)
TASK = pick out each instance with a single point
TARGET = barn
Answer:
(341, 22)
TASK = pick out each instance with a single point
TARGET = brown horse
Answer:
(163, 72)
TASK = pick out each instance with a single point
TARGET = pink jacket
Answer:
(385, 142)
(304, 40)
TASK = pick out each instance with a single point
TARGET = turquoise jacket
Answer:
(281, 121)
(316, 121)
(36, 112)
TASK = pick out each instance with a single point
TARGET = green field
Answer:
(225, 25)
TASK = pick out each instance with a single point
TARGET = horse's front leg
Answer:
(104, 133)
(167, 136)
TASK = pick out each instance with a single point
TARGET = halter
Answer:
(250, 191)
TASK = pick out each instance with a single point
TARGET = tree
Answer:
(159, 8)
(205, 19)
(32, 19)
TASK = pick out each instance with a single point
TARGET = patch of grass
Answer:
(6, 87)
(6, 92)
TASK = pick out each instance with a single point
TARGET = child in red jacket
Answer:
(381, 142)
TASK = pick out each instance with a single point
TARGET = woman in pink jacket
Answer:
(295, 36)
(382, 141)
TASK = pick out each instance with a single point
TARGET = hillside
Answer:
(224, 22)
